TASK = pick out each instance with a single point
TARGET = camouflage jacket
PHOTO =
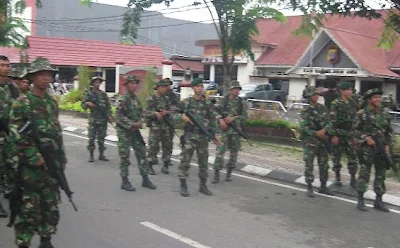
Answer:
(129, 111)
(314, 118)
(342, 116)
(357, 98)
(373, 123)
(155, 104)
(235, 108)
(329, 97)
(173, 98)
(204, 112)
(48, 127)
(102, 112)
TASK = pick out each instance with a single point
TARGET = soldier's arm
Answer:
(213, 118)
(123, 120)
(26, 147)
(108, 105)
(360, 132)
(328, 123)
(305, 124)
(183, 108)
(85, 101)
(150, 112)
(243, 116)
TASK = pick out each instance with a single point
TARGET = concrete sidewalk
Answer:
(277, 162)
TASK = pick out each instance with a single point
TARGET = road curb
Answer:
(255, 170)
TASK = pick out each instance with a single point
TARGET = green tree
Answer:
(148, 86)
(84, 78)
(314, 15)
(9, 25)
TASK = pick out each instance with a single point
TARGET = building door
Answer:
(367, 85)
(110, 80)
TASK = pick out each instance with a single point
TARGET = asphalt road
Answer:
(245, 213)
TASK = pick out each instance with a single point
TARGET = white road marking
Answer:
(264, 181)
(173, 235)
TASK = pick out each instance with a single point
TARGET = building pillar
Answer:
(167, 68)
(118, 66)
(312, 80)
(212, 73)
(357, 85)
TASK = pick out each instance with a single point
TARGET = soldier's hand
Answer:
(370, 142)
(335, 140)
(186, 119)
(228, 119)
(91, 105)
(159, 116)
(40, 162)
(218, 141)
(223, 125)
(320, 133)
(387, 149)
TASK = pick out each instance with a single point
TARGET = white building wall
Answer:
(26, 15)
(296, 87)
(389, 88)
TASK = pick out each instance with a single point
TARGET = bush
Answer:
(76, 106)
(280, 124)
(148, 87)
(84, 78)
(73, 96)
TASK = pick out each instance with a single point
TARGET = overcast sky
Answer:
(196, 14)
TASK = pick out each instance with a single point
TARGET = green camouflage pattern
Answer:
(39, 210)
(129, 111)
(8, 150)
(358, 99)
(159, 130)
(373, 123)
(229, 138)
(194, 140)
(14, 73)
(98, 118)
(342, 116)
(314, 118)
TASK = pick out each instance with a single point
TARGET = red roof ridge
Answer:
(351, 32)
(89, 41)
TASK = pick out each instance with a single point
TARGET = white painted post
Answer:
(212, 73)
(118, 66)
(167, 68)
(357, 85)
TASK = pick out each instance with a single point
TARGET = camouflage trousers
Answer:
(8, 163)
(310, 151)
(232, 142)
(156, 137)
(39, 210)
(345, 145)
(99, 131)
(126, 140)
(201, 147)
(366, 163)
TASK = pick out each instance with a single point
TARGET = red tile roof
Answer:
(357, 36)
(74, 52)
(182, 64)
(12, 53)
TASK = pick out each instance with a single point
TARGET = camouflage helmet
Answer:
(40, 64)
(163, 82)
(96, 78)
(131, 79)
(372, 92)
(196, 82)
(234, 84)
(14, 73)
(311, 91)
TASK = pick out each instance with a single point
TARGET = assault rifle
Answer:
(200, 126)
(168, 122)
(380, 149)
(57, 173)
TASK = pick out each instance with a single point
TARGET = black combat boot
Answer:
(102, 157)
(360, 203)
(91, 156)
(203, 187)
(45, 242)
(228, 175)
(310, 191)
(216, 177)
(338, 182)
(146, 183)
(353, 181)
(184, 191)
(126, 185)
(151, 170)
(378, 204)
(325, 190)
(165, 169)
(3, 213)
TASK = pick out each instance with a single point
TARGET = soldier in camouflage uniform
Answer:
(357, 98)
(158, 109)
(343, 112)
(372, 123)
(100, 113)
(315, 125)
(233, 110)
(193, 139)
(8, 155)
(392, 103)
(129, 121)
(20, 81)
(40, 194)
